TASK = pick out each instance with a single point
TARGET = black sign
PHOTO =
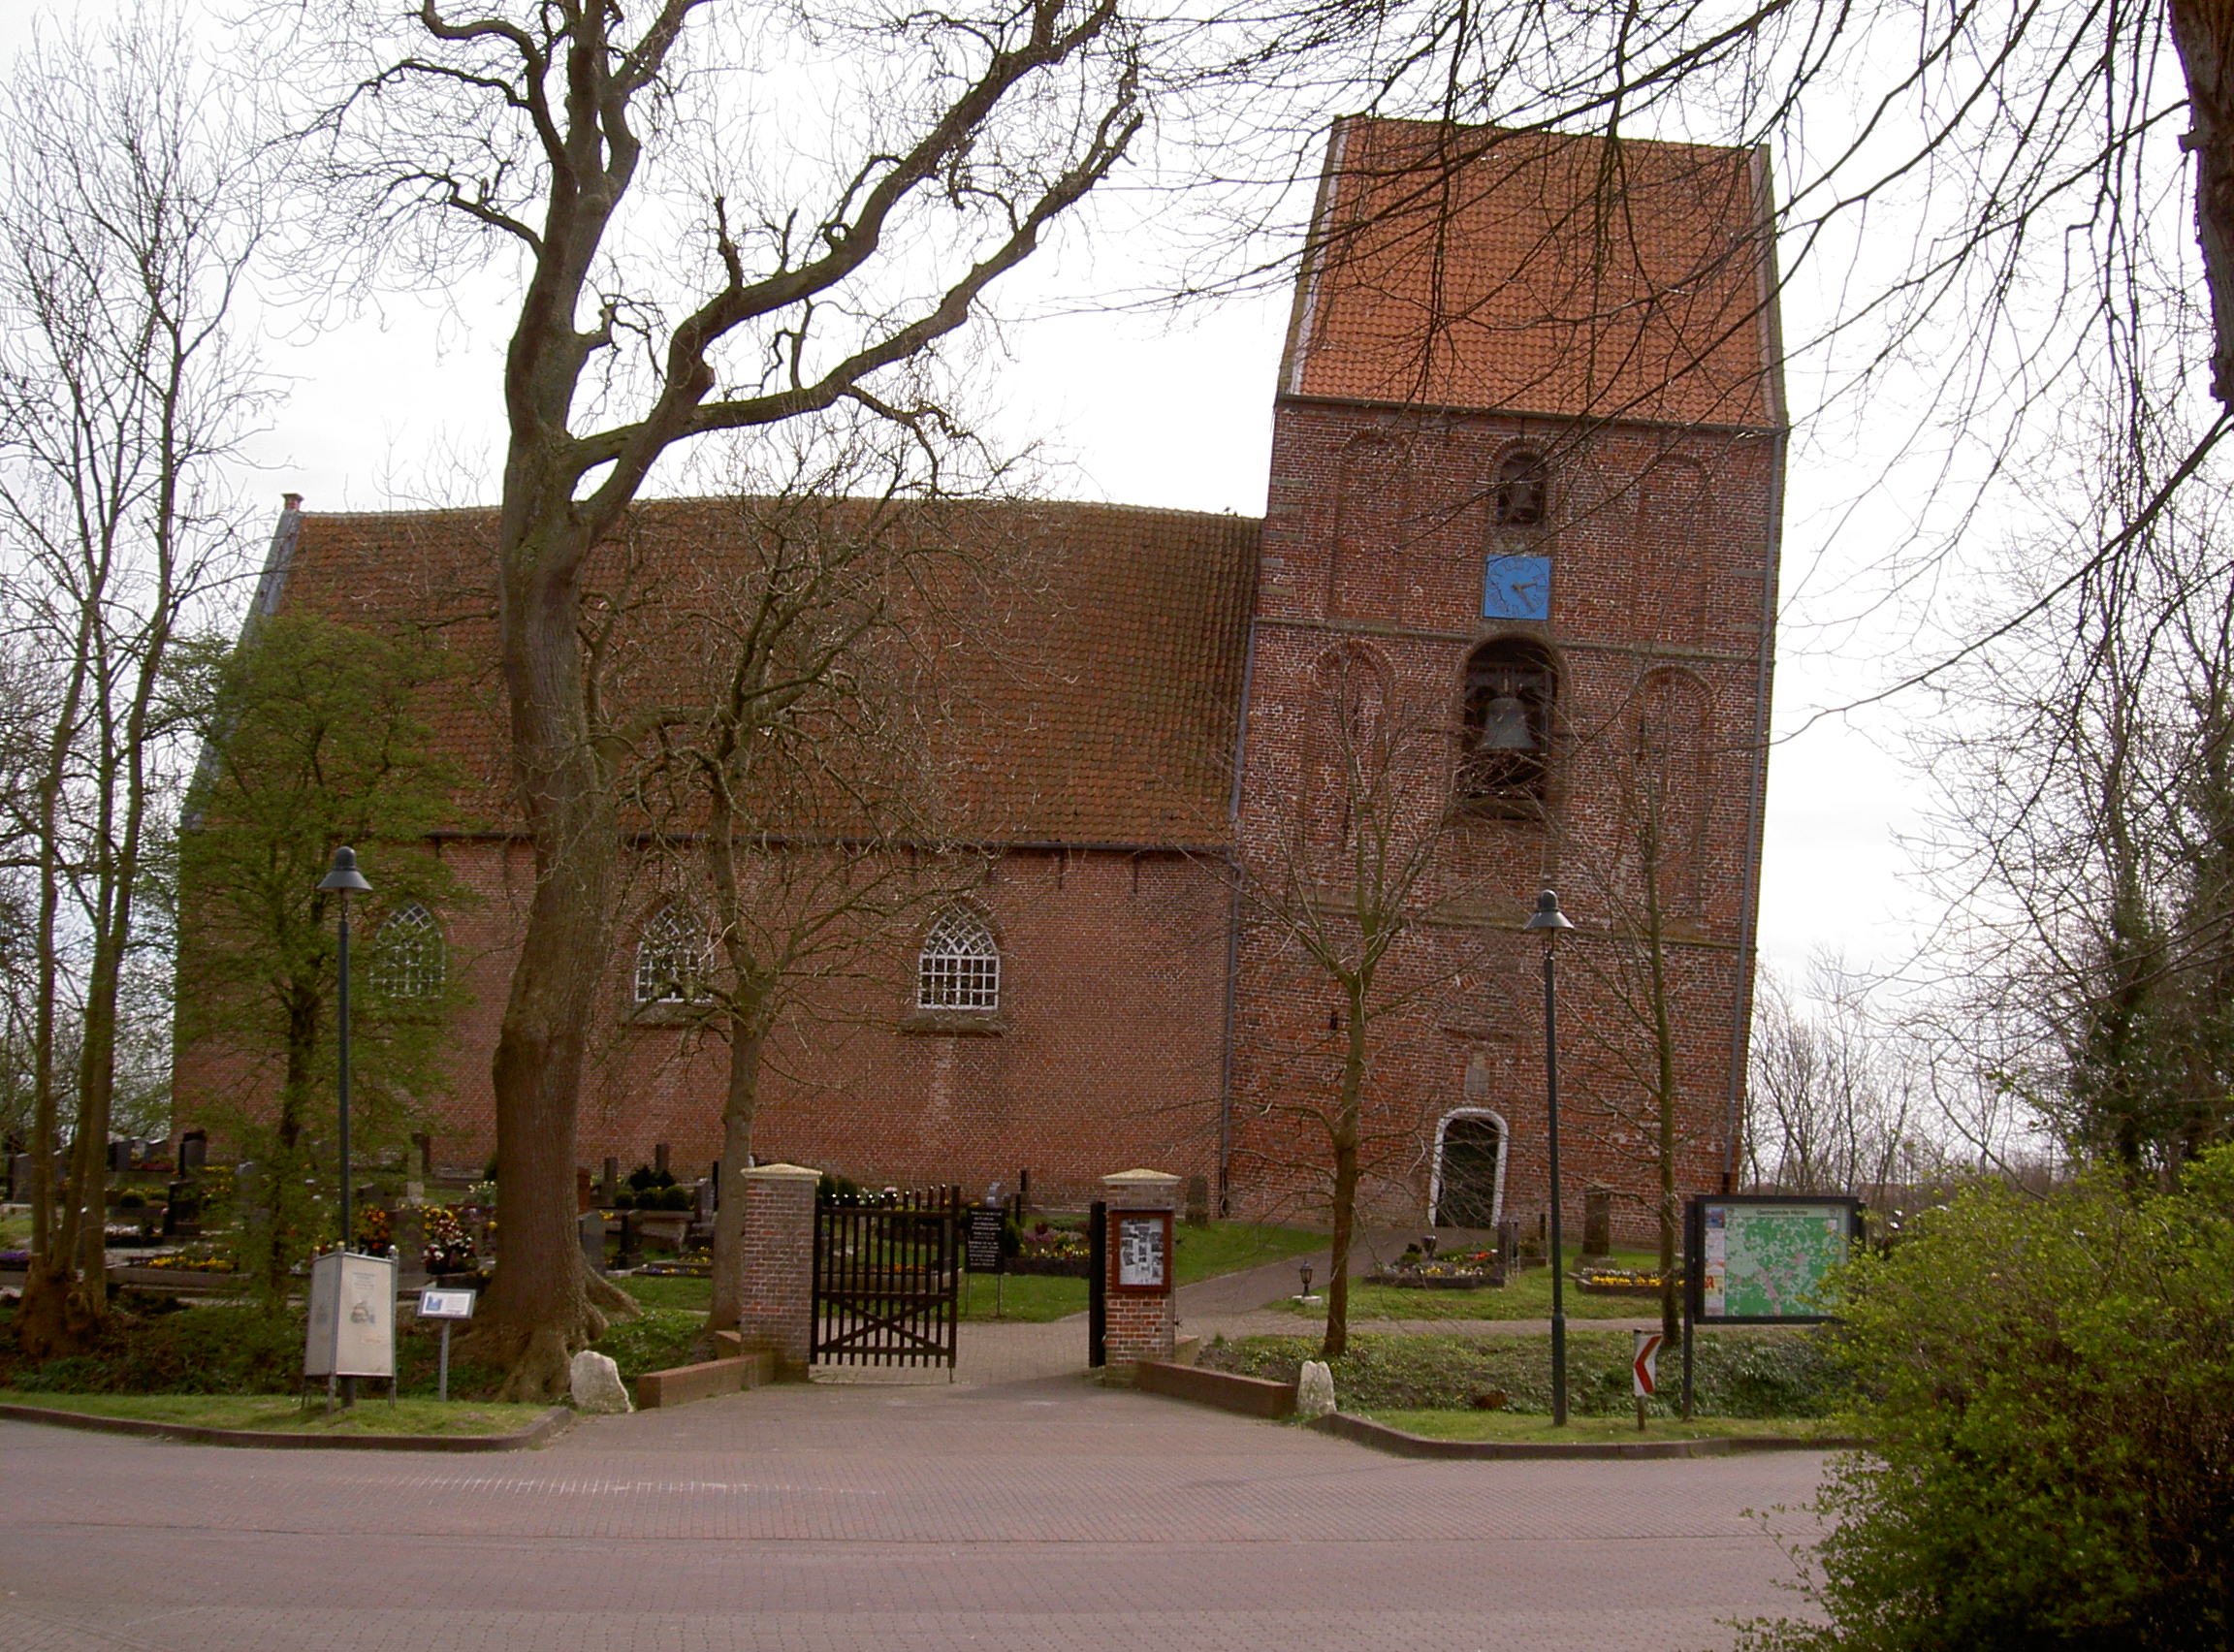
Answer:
(983, 1250)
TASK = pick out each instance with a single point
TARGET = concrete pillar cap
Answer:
(785, 1173)
(1141, 1179)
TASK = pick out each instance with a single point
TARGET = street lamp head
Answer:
(1548, 915)
(344, 875)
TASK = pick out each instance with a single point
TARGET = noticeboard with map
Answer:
(1767, 1259)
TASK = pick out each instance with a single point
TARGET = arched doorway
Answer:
(1469, 1189)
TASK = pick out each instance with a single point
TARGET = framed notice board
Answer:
(1766, 1259)
(1140, 1252)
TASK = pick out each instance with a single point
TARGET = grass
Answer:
(1527, 1297)
(1203, 1252)
(14, 1231)
(372, 1413)
(1748, 1372)
(1520, 1426)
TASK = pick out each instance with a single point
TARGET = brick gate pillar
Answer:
(779, 1315)
(1141, 1317)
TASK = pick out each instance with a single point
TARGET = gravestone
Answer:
(585, 1197)
(1197, 1201)
(1598, 1221)
(183, 1212)
(408, 1228)
(423, 1155)
(704, 1210)
(20, 1177)
(119, 1156)
(193, 1153)
(593, 1240)
(252, 1204)
(612, 1182)
(659, 1159)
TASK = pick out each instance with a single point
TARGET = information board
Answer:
(352, 1331)
(1143, 1250)
(1766, 1259)
(981, 1243)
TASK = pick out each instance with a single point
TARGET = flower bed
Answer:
(1438, 1276)
(1617, 1282)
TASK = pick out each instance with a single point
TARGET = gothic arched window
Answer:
(1506, 733)
(671, 958)
(960, 965)
(1521, 487)
(408, 960)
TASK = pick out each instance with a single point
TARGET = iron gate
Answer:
(887, 1267)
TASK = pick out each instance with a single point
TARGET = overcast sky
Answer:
(387, 410)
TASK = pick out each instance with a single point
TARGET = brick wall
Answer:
(1375, 541)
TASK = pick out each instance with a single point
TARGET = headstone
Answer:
(1508, 1242)
(1314, 1390)
(611, 1181)
(1598, 1221)
(597, 1385)
(593, 1240)
(20, 1177)
(631, 1242)
(193, 1153)
(584, 1198)
(705, 1206)
(659, 1159)
(1197, 1201)
(183, 1212)
(119, 1156)
(408, 1227)
(423, 1155)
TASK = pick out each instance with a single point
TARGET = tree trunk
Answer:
(539, 1307)
(1345, 1143)
(2203, 34)
(737, 1110)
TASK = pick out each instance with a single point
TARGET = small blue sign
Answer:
(1517, 587)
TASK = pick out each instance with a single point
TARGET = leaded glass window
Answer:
(407, 954)
(671, 959)
(960, 965)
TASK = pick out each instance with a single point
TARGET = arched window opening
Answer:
(1520, 489)
(1510, 688)
(407, 954)
(960, 965)
(671, 959)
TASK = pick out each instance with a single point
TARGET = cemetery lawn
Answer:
(14, 1231)
(1203, 1252)
(1527, 1297)
(1593, 1430)
(279, 1413)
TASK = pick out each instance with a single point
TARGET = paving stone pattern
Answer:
(989, 1513)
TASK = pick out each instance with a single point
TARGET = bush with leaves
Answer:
(2051, 1385)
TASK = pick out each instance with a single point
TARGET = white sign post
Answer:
(1645, 1370)
(352, 1318)
(449, 1307)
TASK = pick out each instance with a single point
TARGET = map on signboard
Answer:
(1771, 1261)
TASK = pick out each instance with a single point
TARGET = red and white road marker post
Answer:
(1644, 1369)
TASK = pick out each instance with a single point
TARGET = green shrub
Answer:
(2051, 1386)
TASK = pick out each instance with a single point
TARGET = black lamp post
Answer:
(344, 880)
(1550, 920)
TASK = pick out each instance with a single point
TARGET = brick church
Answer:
(1506, 625)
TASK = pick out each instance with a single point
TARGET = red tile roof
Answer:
(1537, 273)
(1085, 659)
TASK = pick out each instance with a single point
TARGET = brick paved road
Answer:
(1042, 1513)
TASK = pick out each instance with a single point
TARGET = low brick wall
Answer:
(1249, 1396)
(684, 1384)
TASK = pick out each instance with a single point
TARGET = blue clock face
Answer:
(1517, 587)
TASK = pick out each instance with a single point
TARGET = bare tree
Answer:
(127, 223)
(1832, 1104)
(679, 276)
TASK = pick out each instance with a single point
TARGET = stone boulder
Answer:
(597, 1387)
(1314, 1389)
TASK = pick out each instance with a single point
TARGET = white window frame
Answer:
(409, 958)
(959, 966)
(671, 956)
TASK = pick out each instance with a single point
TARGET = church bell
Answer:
(1504, 725)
